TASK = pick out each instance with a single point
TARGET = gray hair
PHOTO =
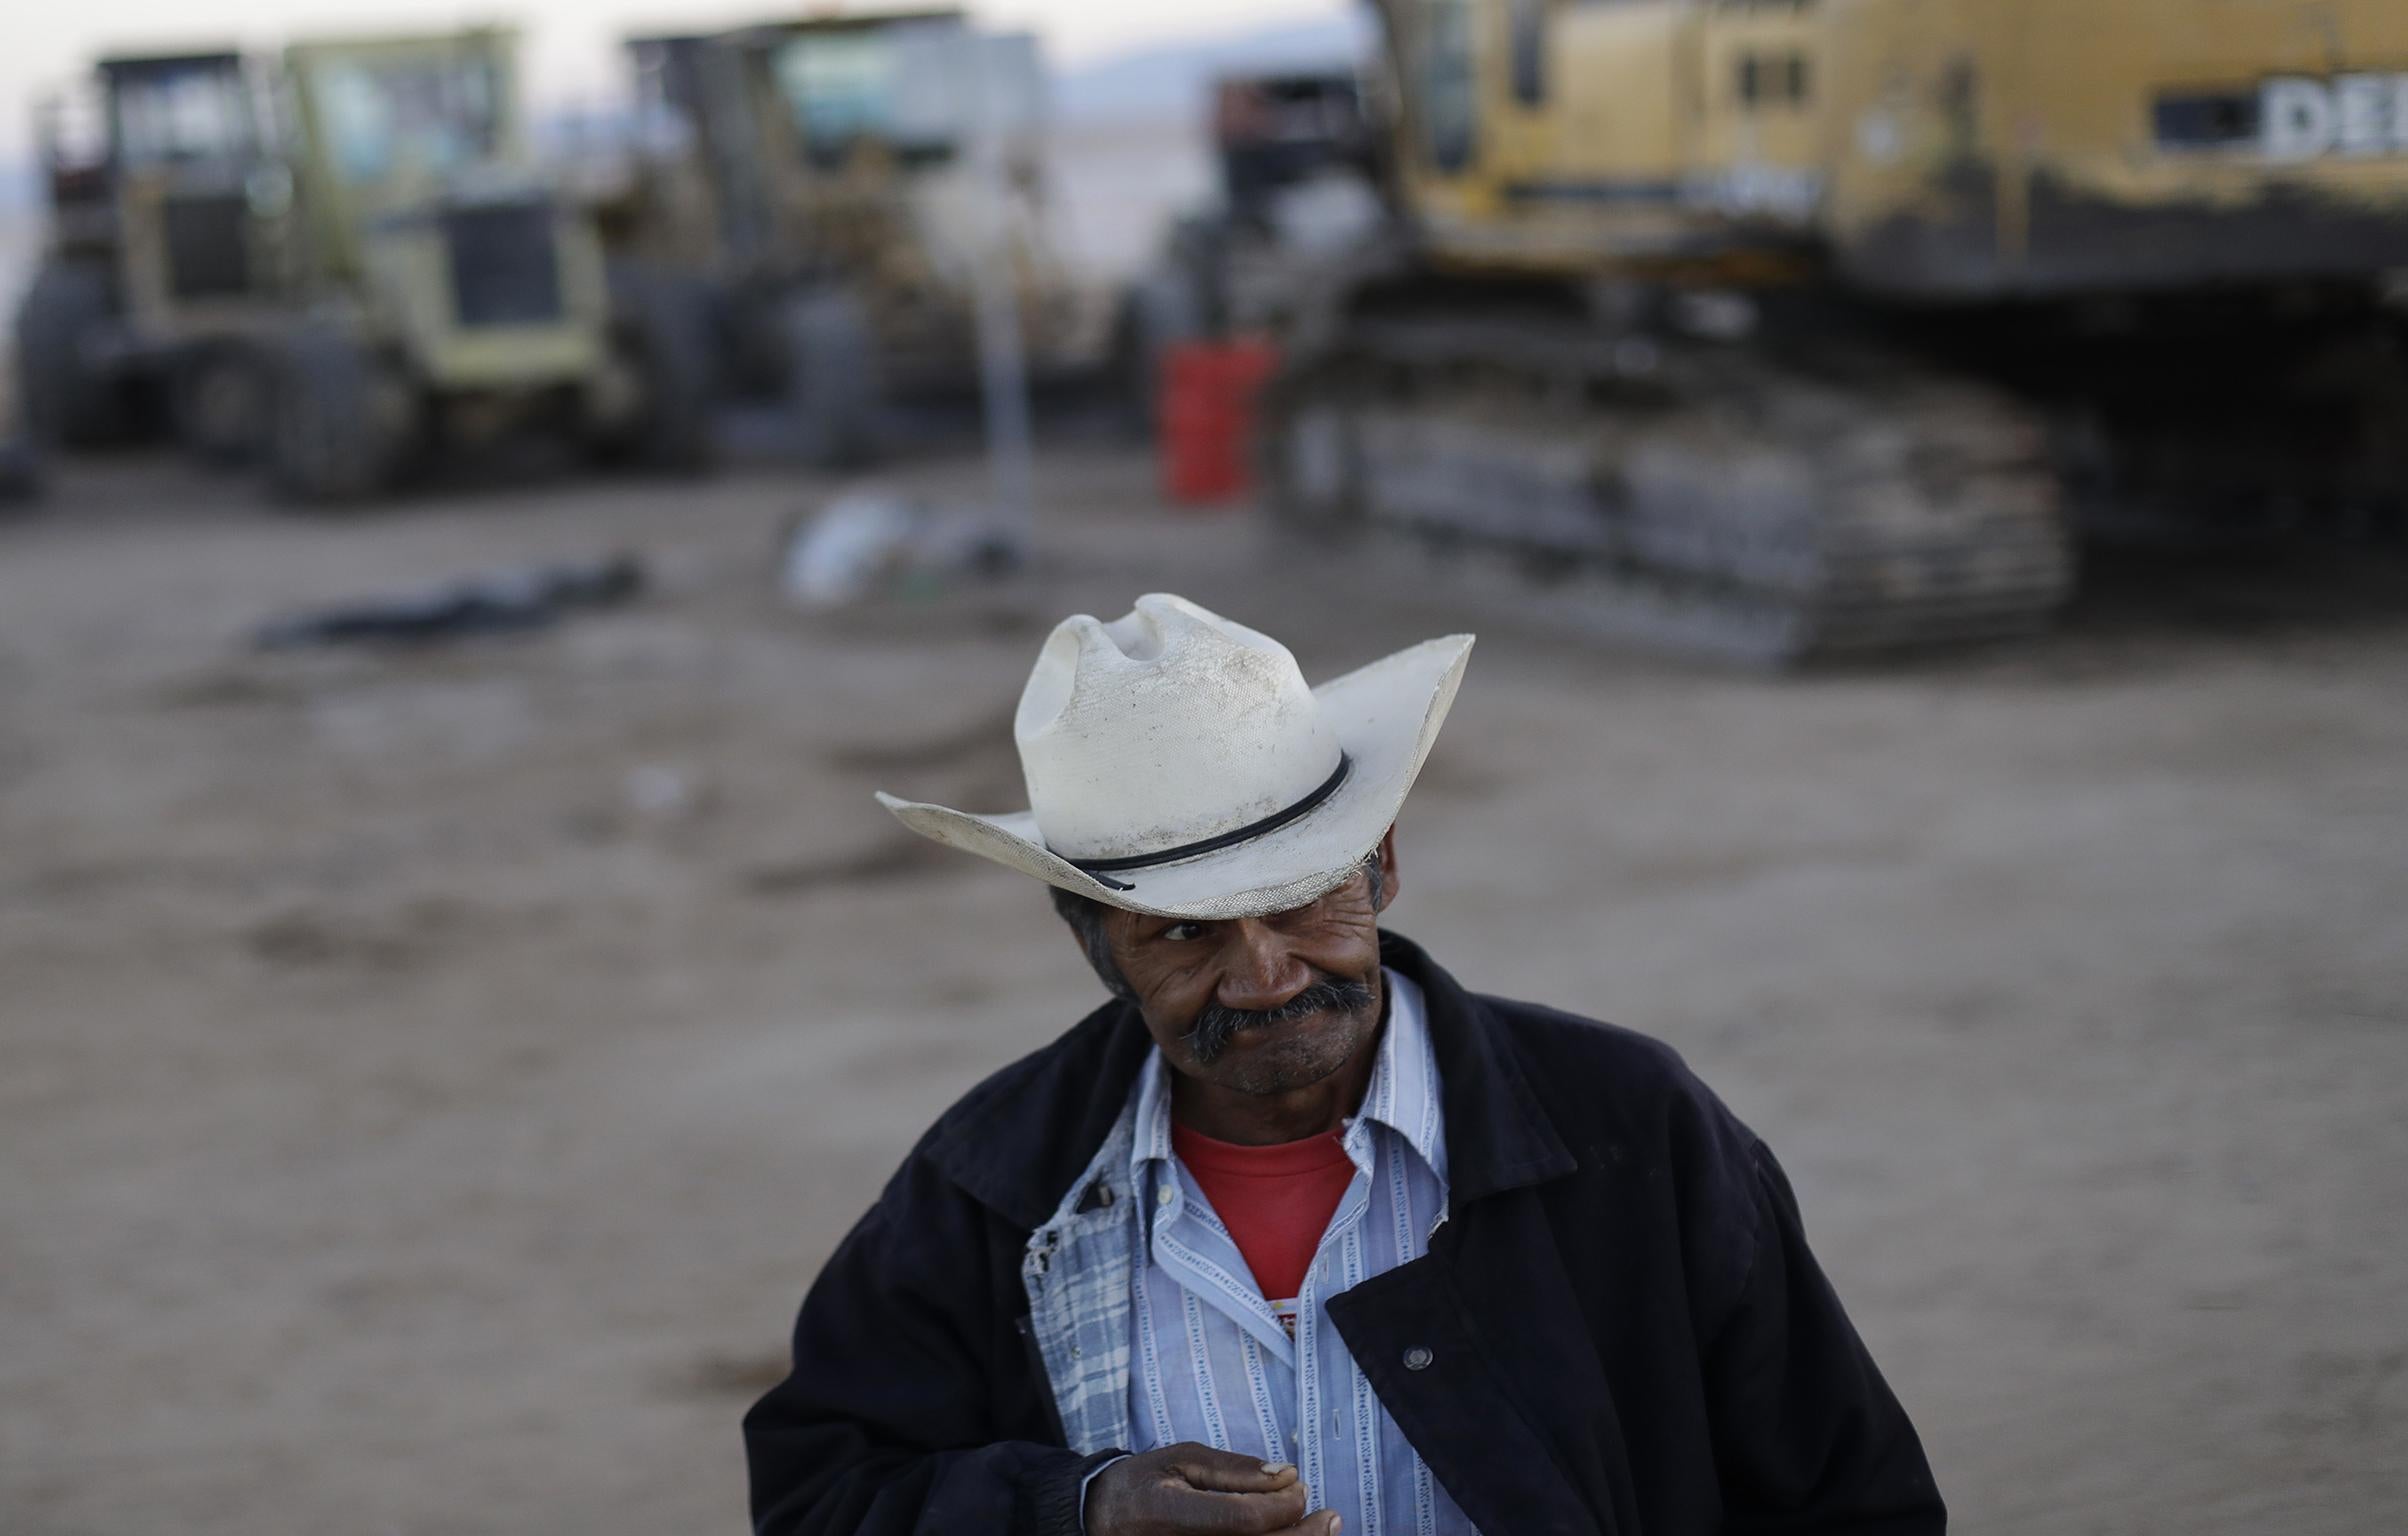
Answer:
(1088, 918)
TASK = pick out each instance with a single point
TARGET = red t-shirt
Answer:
(1276, 1201)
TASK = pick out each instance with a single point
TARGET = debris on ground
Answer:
(664, 792)
(503, 602)
(871, 542)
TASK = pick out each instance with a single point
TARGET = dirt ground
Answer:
(430, 1079)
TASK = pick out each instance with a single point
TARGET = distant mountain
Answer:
(1171, 80)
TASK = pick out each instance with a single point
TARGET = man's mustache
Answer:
(1216, 1026)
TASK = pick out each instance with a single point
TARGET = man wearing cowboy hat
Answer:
(1295, 1234)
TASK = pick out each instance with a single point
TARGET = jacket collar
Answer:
(1498, 1135)
(1020, 1139)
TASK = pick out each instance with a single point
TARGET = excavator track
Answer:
(1770, 506)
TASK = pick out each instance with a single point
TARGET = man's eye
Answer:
(1180, 933)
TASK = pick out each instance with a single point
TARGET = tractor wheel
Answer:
(833, 391)
(662, 369)
(340, 419)
(63, 399)
(221, 401)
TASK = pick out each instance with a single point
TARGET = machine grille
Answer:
(505, 264)
(208, 250)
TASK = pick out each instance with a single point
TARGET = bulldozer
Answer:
(344, 264)
(1821, 327)
(820, 180)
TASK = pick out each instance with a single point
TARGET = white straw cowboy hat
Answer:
(1178, 765)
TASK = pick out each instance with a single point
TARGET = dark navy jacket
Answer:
(1626, 1332)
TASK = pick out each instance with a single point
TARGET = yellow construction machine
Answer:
(821, 179)
(343, 262)
(1798, 328)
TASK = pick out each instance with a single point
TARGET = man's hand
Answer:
(1194, 1490)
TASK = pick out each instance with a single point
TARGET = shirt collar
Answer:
(1403, 1094)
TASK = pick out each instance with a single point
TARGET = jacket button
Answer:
(1418, 1359)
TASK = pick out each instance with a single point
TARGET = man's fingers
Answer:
(1217, 1471)
(1193, 1512)
(1239, 1514)
(1321, 1522)
(1208, 1492)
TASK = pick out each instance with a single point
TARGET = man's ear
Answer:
(1388, 881)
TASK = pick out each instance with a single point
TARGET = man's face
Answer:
(1261, 1005)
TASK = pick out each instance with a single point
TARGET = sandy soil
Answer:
(430, 1079)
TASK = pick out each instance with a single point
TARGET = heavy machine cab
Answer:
(1302, 175)
(422, 203)
(193, 180)
(163, 233)
(1275, 132)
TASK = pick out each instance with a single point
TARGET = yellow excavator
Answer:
(1787, 328)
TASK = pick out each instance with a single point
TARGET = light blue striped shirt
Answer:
(1209, 1358)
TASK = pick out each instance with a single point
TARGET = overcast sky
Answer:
(569, 44)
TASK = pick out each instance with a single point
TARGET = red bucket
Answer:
(1207, 425)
